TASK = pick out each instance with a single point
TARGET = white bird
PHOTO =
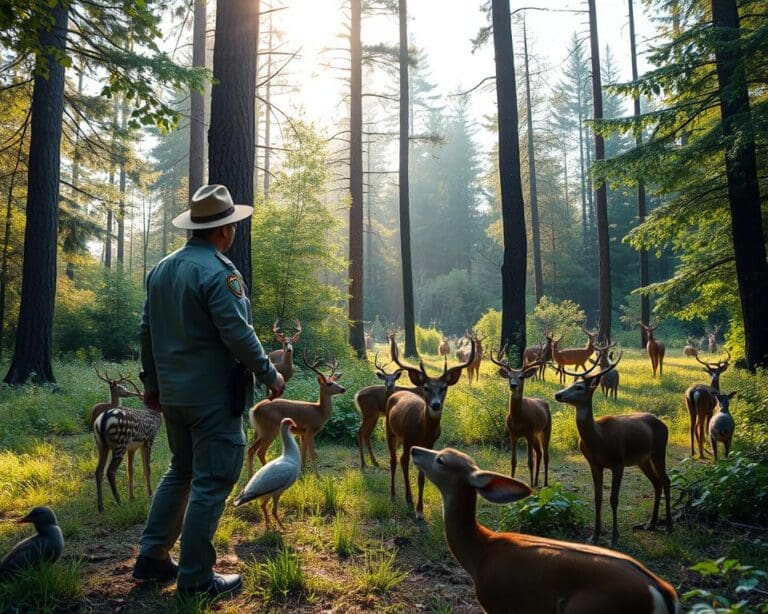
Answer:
(274, 478)
(46, 545)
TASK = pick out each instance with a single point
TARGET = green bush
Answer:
(453, 299)
(750, 409)
(489, 326)
(428, 339)
(739, 581)
(551, 511)
(564, 318)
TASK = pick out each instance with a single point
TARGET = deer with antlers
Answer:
(473, 370)
(609, 382)
(413, 419)
(616, 442)
(527, 417)
(541, 353)
(574, 356)
(444, 349)
(117, 391)
(701, 401)
(690, 349)
(655, 349)
(283, 358)
(371, 402)
(712, 338)
(265, 417)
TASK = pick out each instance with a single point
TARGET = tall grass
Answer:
(50, 588)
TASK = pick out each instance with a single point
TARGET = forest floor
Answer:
(346, 547)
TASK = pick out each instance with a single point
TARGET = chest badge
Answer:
(235, 286)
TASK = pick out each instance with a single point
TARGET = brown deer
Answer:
(527, 417)
(616, 442)
(414, 419)
(265, 417)
(701, 400)
(283, 358)
(444, 349)
(541, 353)
(712, 338)
(722, 426)
(474, 365)
(609, 382)
(655, 350)
(690, 349)
(117, 391)
(526, 574)
(574, 356)
(371, 402)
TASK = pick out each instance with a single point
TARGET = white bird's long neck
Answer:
(290, 447)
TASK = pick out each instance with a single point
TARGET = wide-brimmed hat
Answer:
(211, 206)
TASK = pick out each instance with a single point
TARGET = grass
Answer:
(346, 545)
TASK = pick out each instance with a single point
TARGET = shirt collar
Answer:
(199, 242)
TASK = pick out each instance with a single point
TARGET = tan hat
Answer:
(211, 206)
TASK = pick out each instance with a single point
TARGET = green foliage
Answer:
(454, 300)
(489, 326)
(550, 511)
(378, 573)
(564, 318)
(282, 576)
(345, 533)
(738, 582)
(49, 588)
(428, 339)
(735, 489)
(748, 410)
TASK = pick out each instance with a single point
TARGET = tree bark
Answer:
(33, 351)
(743, 188)
(232, 137)
(121, 207)
(601, 193)
(197, 102)
(268, 116)
(512, 204)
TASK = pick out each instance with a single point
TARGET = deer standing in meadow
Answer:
(413, 418)
(283, 358)
(655, 350)
(609, 382)
(574, 356)
(712, 338)
(701, 400)
(266, 416)
(117, 391)
(722, 426)
(616, 442)
(541, 353)
(689, 349)
(512, 572)
(444, 349)
(474, 365)
(527, 417)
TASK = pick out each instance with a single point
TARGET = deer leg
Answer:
(617, 473)
(131, 454)
(700, 439)
(117, 457)
(251, 453)
(692, 416)
(145, 454)
(713, 442)
(392, 445)
(529, 444)
(405, 458)
(311, 450)
(420, 502)
(650, 472)
(103, 453)
(727, 444)
(597, 482)
(545, 436)
(303, 451)
(513, 443)
(538, 454)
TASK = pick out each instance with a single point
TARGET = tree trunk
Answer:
(538, 277)
(268, 116)
(743, 188)
(601, 193)
(70, 269)
(405, 216)
(34, 335)
(356, 331)
(582, 176)
(232, 137)
(121, 209)
(197, 102)
(512, 204)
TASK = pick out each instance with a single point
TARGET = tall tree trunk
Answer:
(121, 208)
(583, 179)
(538, 277)
(232, 136)
(743, 187)
(70, 268)
(644, 299)
(197, 101)
(356, 331)
(512, 204)
(268, 115)
(405, 215)
(601, 194)
(34, 335)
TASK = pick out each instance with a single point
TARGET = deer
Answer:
(117, 391)
(474, 365)
(265, 417)
(527, 417)
(689, 349)
(513, 572)
(444, 349)
(283, 358)
(701, 400)
(722, 426)
(712, 338)
(574, 356)
(413, 419)
(541, 353)
(655, 349)
(371, 402)
(609, 382)
(122, 430)
(616, 442)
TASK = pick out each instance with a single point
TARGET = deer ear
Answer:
(398, 374)
(502, 372)
(380, 376)
(417, 379)
(732, 394)
(593, 381)
(498, 488)
(530, 372)
(320, 380)
(452, 377)
(335, 377)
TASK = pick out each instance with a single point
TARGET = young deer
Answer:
(616, 442)
(124, 430)
(283, 358)
(527, 417)
(519, 573)
(371, 402)
(577, 357)
(655, 350)
(722, 426)
(414, 420)
(265, 417)
(701, 400)
(117, 391)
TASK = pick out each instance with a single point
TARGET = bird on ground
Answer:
(274, 478)
(36, 549)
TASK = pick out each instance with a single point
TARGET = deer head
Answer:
(515, 377)
(724, 400)
(117, 388)
(282, 338)
(581, 391)
(715, 369)
(389, 379)
(328, 384)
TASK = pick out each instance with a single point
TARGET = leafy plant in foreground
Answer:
(551, 511)
(739, 580)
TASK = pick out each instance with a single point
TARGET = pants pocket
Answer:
(222, 457)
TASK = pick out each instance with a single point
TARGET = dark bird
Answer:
(32, 551)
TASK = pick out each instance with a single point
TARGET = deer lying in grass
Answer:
(117, 391)
(371, 402)
(519, 573)
(265, 417)
(722, 426)
(283, 358)
(414, 420)
(574, 356)
(527, 417)
(701, 400)
(616, 442)
(655, 350)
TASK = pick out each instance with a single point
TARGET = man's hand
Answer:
(277, 387)
(152, 399)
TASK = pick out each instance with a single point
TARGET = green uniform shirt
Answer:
(196, 321)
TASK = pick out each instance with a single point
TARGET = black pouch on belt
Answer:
(240, 388)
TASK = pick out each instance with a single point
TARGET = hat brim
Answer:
(184, 221)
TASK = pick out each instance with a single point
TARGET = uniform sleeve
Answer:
(229, 312)
(149, 376)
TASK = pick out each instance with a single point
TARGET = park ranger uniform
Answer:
(196, 323)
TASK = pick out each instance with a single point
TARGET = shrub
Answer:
(565, 318)
(453, 299)
(489, 326)
(428, 339)
(738, 581)
(378, 574)
(749, 410)
(551, 511)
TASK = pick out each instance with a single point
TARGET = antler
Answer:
(313, 365)
(128, 380)
(103, 378)
(297, 334)
(611, 366)
(332, 364)
(498, 361)
(276, 329)
(395, 356)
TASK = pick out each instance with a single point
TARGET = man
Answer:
(196, 324)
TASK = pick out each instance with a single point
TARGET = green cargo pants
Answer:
(207, 446)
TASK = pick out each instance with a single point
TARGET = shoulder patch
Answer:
(235, 286)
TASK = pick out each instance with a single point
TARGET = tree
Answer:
(197, 112)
